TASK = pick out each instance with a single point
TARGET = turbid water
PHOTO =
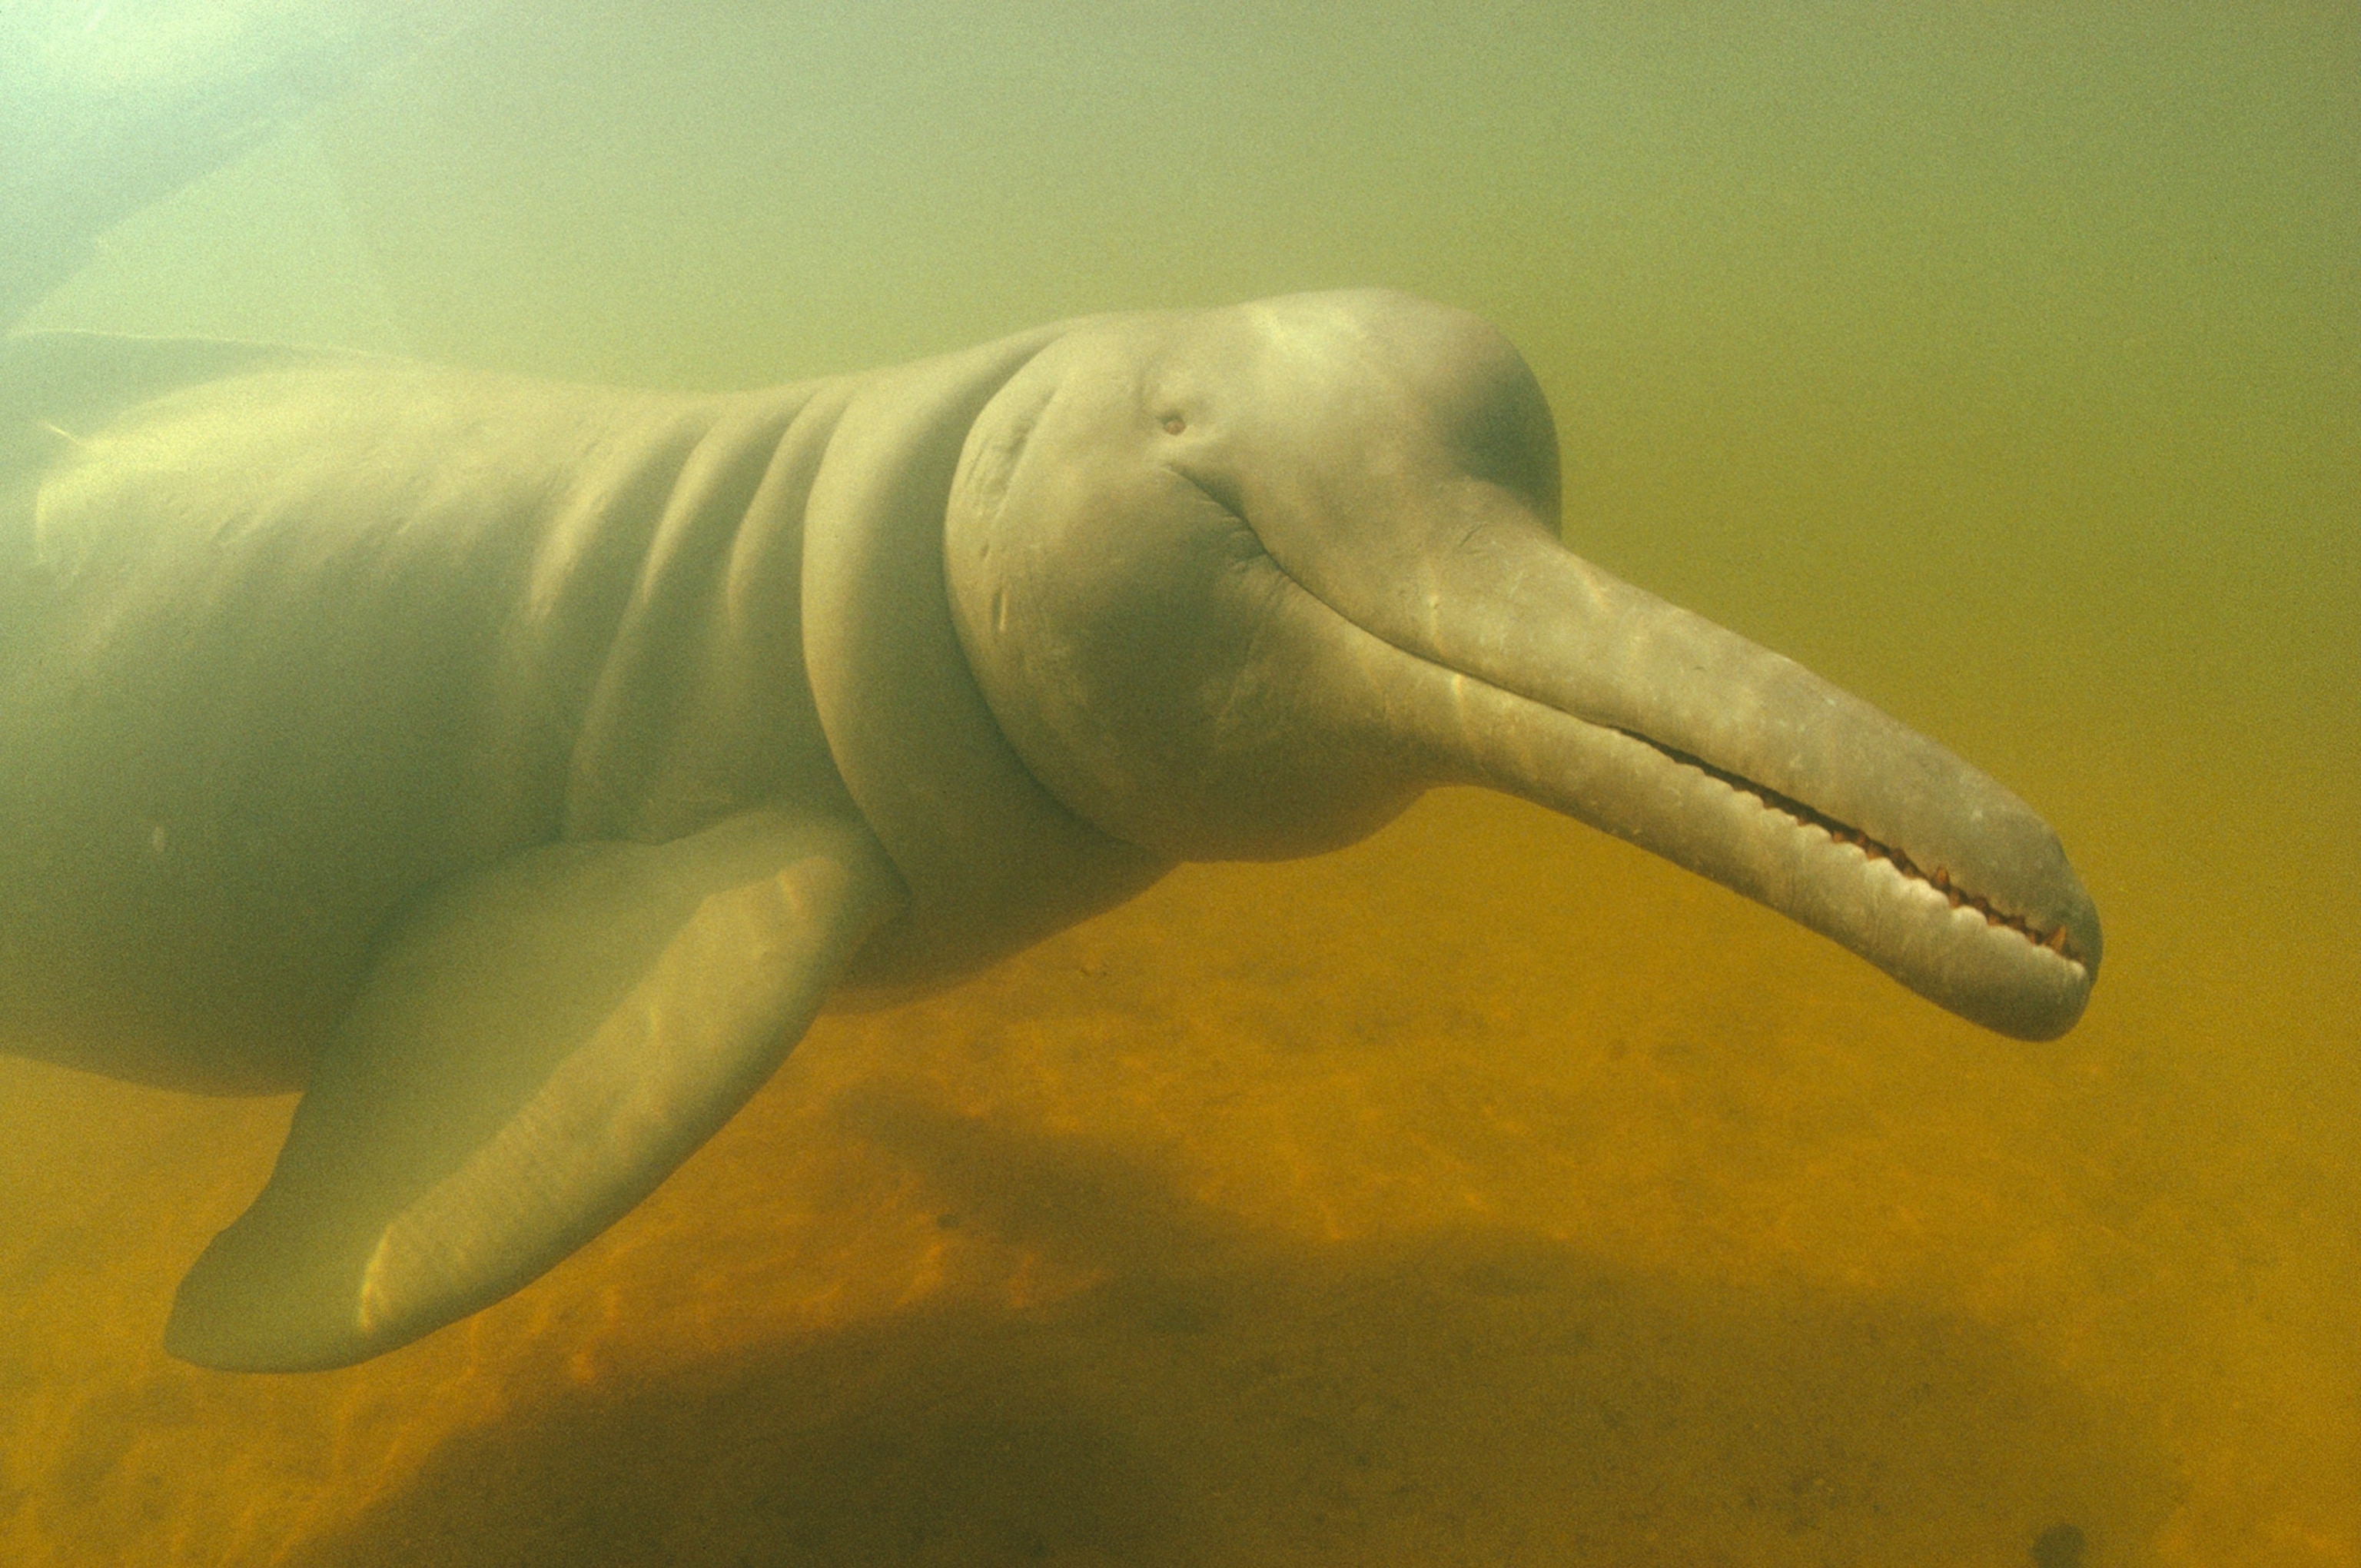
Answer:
(1490, 1192)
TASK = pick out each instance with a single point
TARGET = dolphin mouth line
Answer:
(2055, 942)
(1805, 816)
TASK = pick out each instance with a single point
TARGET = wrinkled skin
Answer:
(518, 768)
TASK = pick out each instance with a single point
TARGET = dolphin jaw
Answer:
(1954, 946)
(2055, 936)
(1964, 950)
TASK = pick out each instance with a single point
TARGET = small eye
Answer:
(1174, 425)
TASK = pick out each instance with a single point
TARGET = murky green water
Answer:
(1489, 1193)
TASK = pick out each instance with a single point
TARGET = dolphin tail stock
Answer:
(108, 107)
(535, 1047)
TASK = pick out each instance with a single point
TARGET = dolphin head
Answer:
(1241, 583)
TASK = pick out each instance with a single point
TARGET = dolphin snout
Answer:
(1407, 479)
(1581, 693)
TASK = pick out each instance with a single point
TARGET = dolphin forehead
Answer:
(1380, 379)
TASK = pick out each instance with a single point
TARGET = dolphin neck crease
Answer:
(645, 575)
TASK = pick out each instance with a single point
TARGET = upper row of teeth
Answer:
(1940, 881)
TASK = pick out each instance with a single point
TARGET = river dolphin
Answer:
(516, 767)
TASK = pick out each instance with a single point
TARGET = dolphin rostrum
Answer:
(518, 767)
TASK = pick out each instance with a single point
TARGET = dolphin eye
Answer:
(1174, 425)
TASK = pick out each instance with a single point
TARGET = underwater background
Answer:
(1490, 1193)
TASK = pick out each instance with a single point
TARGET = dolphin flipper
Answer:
(537, 1046)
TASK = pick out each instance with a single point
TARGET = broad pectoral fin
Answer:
(536, 1047)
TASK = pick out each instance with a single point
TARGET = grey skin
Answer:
(518, 768)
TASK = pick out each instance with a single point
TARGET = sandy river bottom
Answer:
(1487, 1194)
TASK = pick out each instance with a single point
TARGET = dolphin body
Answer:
(516, 768)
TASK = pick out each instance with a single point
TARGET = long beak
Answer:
(1533, 672)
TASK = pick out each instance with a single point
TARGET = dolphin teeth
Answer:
(1937, 881)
